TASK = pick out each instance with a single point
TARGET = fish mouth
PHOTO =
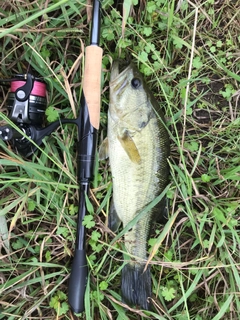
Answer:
(119, 76)
(119, 70)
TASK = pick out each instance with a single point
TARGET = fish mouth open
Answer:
(119, 70)
(119, 77)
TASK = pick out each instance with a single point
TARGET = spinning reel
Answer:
(26, 105)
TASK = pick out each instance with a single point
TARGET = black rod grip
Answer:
(86, 153)
(78, 281)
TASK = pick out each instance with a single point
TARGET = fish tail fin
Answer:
(136, 285)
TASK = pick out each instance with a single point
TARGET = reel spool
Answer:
(27, 100)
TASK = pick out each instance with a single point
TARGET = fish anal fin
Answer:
(129, 146)
(113, 219)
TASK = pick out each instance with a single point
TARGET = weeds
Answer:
(189, 53)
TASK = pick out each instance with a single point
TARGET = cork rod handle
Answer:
(92, 83)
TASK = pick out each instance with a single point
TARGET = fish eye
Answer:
(136, 83)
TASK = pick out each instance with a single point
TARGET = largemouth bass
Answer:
(138, 147)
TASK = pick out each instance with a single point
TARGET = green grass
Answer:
(190, 58)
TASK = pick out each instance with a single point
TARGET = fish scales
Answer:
(134, 185)
(138, 148)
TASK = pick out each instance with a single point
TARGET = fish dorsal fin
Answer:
(103, 150)
(129, 146)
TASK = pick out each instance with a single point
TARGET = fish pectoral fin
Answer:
(113, 218)
(129, 146)
(103, 150)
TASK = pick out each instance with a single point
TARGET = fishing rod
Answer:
(26, 105)
(89, 124)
